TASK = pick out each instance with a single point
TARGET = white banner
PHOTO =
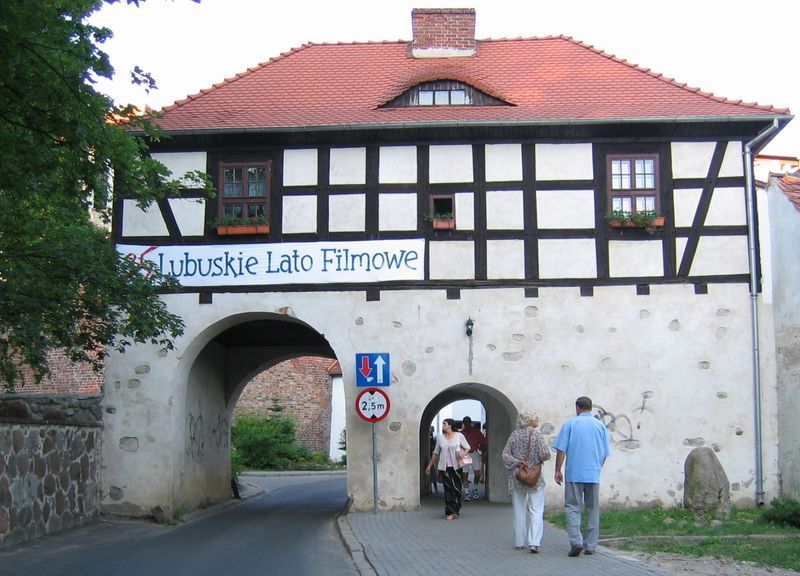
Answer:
(285, 263)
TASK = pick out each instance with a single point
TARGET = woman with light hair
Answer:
(526, 446)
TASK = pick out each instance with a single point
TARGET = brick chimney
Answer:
(443, 32)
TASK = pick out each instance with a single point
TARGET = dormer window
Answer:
(456, 97)
(443, 93)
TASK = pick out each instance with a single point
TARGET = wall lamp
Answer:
(470, 323)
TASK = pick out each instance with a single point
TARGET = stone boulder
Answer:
(705, 487)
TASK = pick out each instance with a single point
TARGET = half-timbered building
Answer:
(590, 219)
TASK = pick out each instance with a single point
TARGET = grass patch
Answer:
(745, 534)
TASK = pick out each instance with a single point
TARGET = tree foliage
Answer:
(63, 286)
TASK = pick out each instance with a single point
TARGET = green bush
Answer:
(266, 443)
(237, 463)
(784, 511)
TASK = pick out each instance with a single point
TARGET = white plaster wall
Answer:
(766, 227)
(140, 455)
(450, 163)
(138, 222)
(685, 202)
(727, 208)
(719, 255)
(300, 167)
(397, 211)
(179, 163)
(465, 210)
(505, 259)
(189, 214)
(564, 162)
(733, 162)
(503, 162)
(691, 159)
(451, 260)
(669, 371)
(565, 209)
(398, 165)
(783, 237)
(338, 418)
(574, 258)
(299, 214)
(504, 210)
(348, 166)
(347, 212)
(204, 472)
(635, 259)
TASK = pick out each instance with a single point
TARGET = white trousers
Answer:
(528, 516)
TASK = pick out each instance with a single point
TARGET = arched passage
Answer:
(221, 369)
(501, 415)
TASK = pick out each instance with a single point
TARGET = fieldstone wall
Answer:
(49, 464)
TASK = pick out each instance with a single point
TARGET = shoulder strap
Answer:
(528, 452)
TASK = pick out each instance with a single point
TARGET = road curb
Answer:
(362, 563)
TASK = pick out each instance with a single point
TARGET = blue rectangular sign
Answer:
(372, 369)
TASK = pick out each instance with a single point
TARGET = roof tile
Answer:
(553, 78)
(790, 185)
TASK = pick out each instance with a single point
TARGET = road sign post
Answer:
(373, 405)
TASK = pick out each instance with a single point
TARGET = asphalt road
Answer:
(288, 530)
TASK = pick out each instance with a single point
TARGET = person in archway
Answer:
(484, 454)
(475, 438)
(449, 446)
(526, 446)
(583, 441)
(432, 445)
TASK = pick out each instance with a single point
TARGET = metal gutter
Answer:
(473, 124)
(762, 138)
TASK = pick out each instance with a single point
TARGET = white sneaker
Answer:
(466, 496)
(475, 494)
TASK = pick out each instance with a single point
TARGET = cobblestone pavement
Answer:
(480, 541)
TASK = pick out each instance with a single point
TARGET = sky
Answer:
(735, 49)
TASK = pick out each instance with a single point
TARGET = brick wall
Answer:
(443, 28)
(302, 386)
(65, 378)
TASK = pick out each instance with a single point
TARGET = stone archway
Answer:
(501, 416)
(173, 420)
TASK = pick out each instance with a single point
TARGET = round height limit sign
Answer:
(372, 404)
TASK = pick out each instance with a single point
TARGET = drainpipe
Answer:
(751, 256)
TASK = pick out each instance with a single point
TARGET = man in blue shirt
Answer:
(583, 441)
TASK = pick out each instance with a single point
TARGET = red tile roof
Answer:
(790, 184)
(546, 80)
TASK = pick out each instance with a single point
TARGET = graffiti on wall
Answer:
(221, 432)
(625, 430)
(197, 436)
(196, 431)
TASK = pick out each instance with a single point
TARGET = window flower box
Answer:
(646, 220)
(657, 222)
(443, 224)
(241, 229)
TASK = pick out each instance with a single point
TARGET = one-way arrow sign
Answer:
(372, 369)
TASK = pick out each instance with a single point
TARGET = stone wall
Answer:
(49, 464)
(302, 386)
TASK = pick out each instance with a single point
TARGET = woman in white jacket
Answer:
(450, 445)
